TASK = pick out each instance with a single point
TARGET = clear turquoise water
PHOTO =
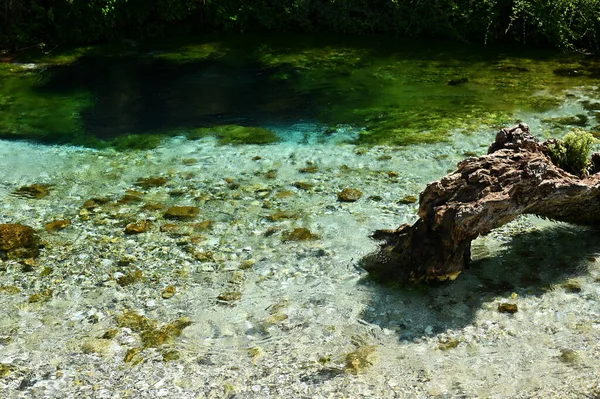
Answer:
(305, 320)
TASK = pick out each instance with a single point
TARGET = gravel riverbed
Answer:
(203, 271)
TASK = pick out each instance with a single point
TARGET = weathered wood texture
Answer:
(516, 177)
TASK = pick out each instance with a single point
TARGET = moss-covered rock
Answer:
(18, 241)
(349, 195)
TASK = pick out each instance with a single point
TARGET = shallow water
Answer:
(273, 317)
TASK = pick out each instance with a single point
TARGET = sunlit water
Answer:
(272, 317)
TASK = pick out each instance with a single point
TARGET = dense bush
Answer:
(570, 24)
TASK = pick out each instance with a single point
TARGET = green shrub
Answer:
(571, 153)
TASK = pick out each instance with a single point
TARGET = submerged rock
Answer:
(182, 212)
(303, 185)
(138, 227)
(150, 182)
(57, 225)
(350, 195)
(35, 191)
(18, 241)
(408, 199)
(94, 203)
(230, 296)
(507, 307)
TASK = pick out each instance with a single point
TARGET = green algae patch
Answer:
(26, 112)
(235, 134)
(5, 370)
(299, 234)
(192, 52)
(392, 92)
(360, 359)
(135, 142)
(151, 334)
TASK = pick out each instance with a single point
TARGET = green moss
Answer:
(9, 289)
(28, 113)
(130, 278)
(235, 134)
(191, 52)
(396, 91)
(571, 153)
(43, 296)
(5, 370)
(135, 142)
(151, 334)
(360, 359)
(299, 234)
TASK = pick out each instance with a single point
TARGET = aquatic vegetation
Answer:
(99, 346)
(43, 296)
(235, 134)
(448, 344)
(151, 334)
(18, 241)
(133, 356)
(392, 92)
(132, 142)
(230, 296)
(34, 191)
(171, 355)
(9, 289)
(299, 234)
(255, 353)
(130, 278)
(568, 356)
(191, 52)
(5, 370)
(281, 215)
(168, 292)
(571, 153)
(360, 359)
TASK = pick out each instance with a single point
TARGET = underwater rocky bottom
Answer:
(205, 270)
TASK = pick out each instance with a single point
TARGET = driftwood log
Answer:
(516, 177)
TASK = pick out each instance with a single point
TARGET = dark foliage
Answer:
(569, 24)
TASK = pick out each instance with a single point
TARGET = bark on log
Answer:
(516, 177)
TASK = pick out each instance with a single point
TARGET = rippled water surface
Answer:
(254, 289)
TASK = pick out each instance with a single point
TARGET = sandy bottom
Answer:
(261, 315)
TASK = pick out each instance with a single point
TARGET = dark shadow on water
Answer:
(144, 95)
(530, 264)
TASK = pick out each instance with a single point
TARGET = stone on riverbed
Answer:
(18, 241)
(182, 212)
(350, 195)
